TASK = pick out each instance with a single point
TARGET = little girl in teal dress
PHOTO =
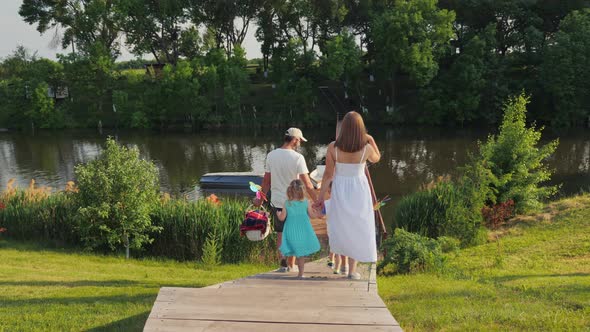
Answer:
(299, 238)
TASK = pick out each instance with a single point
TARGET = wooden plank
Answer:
(271, 297)
(282, 314)
(154, 325)
(276, 301)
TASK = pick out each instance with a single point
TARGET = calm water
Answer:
(411, 156)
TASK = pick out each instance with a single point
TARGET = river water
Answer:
(411, 156)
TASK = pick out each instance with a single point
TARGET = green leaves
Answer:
(118, 191)
(516, 161)
(410, 36)
(342, 58)
(566, 68)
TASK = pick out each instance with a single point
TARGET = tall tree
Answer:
(156, 27)
(409, 38)
(566, 69)
(229, 19)
(90, 25)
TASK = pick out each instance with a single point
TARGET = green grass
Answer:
(533, 276)
(60, 290)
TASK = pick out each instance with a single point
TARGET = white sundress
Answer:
(350, 214)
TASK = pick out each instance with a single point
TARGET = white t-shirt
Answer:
(284, 166)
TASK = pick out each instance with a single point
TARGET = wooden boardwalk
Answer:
(275, 301)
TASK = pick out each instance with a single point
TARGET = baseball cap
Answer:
(295, 132)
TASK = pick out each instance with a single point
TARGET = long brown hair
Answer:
(353, 134)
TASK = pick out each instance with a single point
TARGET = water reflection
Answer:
(411, 157)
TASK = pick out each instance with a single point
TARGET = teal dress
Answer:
(299, 238)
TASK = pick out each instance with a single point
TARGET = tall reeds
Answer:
(187, 226)
(39, 214)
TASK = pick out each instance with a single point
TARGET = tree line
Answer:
(447, 62)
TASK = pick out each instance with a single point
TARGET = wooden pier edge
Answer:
(275, 301)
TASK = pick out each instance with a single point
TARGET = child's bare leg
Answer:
(291, 261)
(352, 266)
(337, 262)
(279, 242)
(300, 265)
(344, 264)
(331, 259)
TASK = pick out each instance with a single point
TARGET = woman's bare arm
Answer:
(328, 173)
(374, 154)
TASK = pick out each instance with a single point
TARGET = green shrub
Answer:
(444, 209)
(117, 193)
(516, 161)
(410, 253)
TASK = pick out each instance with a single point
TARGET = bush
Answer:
(186, 227)
(443, 209)
(410, 253)
(516, 161)
(117, 193)
(496, 215)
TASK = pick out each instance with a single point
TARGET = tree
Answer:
(516, 161)
(157, 27)
(235, 82)
(117, 193)
(461, 92)
(90, 82)
(42, 112)
(228, 19)
(409, 38)
(566, 69)
(342, 58)
(85, 23)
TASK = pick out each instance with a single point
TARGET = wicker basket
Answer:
(256, 235)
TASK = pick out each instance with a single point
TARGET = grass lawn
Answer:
(59, 290)
(533, 276)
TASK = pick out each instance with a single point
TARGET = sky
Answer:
(15, 31)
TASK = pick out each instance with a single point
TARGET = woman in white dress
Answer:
(351, 218)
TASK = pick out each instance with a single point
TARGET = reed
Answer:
(186, 226)
(36, 213)
(40, 214)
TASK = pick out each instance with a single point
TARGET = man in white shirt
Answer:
(284, 165)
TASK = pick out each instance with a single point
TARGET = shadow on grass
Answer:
(509, 278)
(133, 323)
(78, 283)
(89, 300)
(101, 283)
(64, 248)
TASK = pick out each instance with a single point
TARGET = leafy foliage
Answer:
(409, 37)
(438, 62)
(497, 214)
(516, 161)
(442, 209)
(118, 192)
(412, 253)
(566, 67)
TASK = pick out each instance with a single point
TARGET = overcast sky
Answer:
(14, 31)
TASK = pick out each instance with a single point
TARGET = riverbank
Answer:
(533, 275)
(63, 290)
